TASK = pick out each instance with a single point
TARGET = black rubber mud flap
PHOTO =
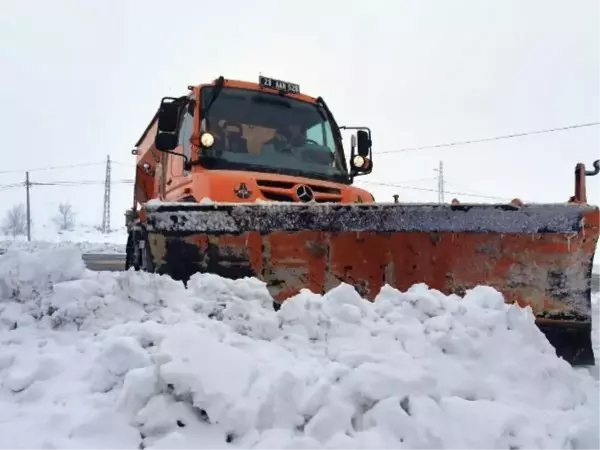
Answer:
(572, 343)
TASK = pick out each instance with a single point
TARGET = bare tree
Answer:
(65, 219)
(15, 221)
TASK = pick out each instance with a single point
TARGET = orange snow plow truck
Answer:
(245, 179)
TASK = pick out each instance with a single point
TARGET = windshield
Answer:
(264, 132)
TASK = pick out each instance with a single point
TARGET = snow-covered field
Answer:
(87, 238)
(134, 360)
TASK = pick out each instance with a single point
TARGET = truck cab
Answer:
(236, 141)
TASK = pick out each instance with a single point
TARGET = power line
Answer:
(6, 187)
(495, 138)
(466, 194)
(123, 163)
(68, 166)
(79, 182)
(414, 180)
(71, 183)
(460, 186)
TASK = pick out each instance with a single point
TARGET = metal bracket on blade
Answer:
(580, 174)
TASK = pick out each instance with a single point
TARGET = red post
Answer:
(580, 192)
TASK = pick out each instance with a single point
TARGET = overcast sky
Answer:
(81, 79)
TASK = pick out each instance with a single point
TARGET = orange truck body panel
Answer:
(215, 221)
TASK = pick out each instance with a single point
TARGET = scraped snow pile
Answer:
(133, 360)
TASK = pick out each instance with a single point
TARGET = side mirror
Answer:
(364, 143)
(168, 118)
(165, 142)
(361, 162)
(168, 115)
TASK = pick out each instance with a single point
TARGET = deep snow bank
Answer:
(105, 360)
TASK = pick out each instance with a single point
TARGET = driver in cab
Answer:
(292, 142)
(284, 140)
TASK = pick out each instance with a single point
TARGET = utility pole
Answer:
(441, 183)
(106, 212)
(27, 186)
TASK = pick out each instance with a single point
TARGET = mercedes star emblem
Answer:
(304, 193)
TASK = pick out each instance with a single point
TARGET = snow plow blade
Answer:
(540, 255)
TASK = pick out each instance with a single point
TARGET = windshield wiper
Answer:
(320, 111)
(335, 129)
(215, 93)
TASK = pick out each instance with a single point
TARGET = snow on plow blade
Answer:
(537, 255)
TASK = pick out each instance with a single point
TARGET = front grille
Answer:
(283, 191)
(290, 185)
(324, 189)
(275, 184)
(276, 197)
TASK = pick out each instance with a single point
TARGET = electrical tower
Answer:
(106, 212)
(441, 183)
(27, 187)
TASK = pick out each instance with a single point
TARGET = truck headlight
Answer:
(358, 161)
(207, 140)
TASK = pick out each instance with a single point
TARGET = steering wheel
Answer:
(310, 141)
(290, 149)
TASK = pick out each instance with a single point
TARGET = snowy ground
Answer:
(87, 238)
(133, 360)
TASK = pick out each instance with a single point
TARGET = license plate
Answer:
(279, 85)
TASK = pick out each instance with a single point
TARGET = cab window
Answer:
(185, 131)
